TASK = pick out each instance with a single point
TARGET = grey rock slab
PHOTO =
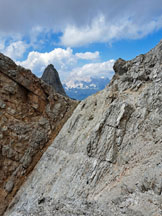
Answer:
(107, 159)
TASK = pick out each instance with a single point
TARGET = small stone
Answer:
(43, 121)
(9, 185)
(11, 111)
(26, 161)
(2, 105)
(10, 89)
(4, 128)
(12, 73)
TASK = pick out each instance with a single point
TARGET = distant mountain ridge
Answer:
(76, 89)
(80, 90)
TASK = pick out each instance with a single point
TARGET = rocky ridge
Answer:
(107, 158)
(51, 77)
(31, 115)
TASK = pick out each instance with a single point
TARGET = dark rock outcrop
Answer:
(119, 67)
(31, 115)
(51, 77)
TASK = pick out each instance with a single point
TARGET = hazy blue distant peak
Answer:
(82, 89)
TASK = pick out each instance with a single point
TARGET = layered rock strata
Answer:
(31, 115)
(107, 159)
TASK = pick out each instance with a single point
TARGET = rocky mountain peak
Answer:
(51, 66)
(51, 77)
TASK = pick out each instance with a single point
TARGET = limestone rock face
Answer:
(31, 115)
(107, 158)
(51, 77)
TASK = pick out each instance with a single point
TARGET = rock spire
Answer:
(51, 77)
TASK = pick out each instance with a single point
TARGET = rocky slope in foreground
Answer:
(31, 115)
(107, 159)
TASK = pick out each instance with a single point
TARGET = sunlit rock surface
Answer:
(107, 159)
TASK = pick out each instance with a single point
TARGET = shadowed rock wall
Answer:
(51, 77)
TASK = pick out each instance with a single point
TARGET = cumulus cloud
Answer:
(94, 69)
(2, 45)
(102, 31)
(61, 58)
(88, 55)
(88, 71)
(82, 21)
(66, 62)
(14, 50)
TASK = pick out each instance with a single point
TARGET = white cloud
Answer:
(15, 50)
(101, 30)
(75, 83)
(93, 85)
(64, 60)
(76, 36)
(2, 45)
(94, 69)
(66, 63)
(61, 58)
(88, 71)
(88, 55)
(81, 21)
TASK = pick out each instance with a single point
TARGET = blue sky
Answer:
(82, 38)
